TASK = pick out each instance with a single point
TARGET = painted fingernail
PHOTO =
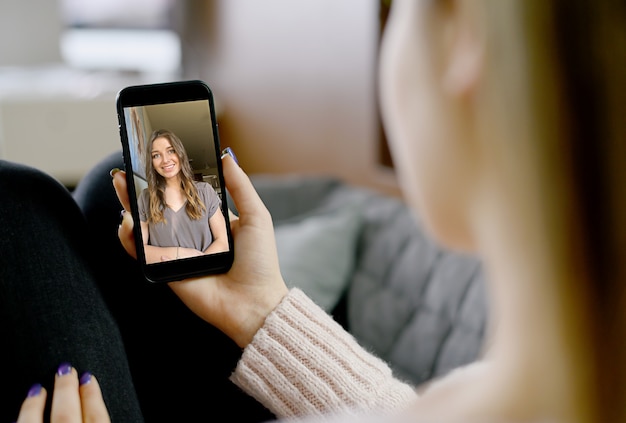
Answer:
(85, 378)
(64, 369)
(34, 390)
(228, 151)
(114, 171)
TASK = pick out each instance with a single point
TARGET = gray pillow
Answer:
(317, 253)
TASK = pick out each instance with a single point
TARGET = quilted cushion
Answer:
(418, 306)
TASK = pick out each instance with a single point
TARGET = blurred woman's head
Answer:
(505, 119)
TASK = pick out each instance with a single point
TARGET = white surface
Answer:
(58, 120)
(64, 137)
(143, 50)
(29, 32)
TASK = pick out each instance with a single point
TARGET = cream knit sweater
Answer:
(303, 363)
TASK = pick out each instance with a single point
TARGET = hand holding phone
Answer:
(238, 301)
(175, 183)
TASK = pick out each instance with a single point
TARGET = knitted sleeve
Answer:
(302, 362)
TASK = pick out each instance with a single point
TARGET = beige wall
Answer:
(296, 84)
(29, 32)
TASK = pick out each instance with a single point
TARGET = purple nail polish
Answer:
(34, 390)
(85, 378)
(230, 152)
(64, 369)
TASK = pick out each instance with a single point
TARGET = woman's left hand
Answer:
(238, 301)
(73, 401)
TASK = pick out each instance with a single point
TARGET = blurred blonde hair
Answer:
(556, 75)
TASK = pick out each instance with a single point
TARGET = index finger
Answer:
(66, 405)
(121, 188)
(33, 406)
(94, 409)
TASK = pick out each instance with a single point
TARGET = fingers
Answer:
(66, 405)
(73, 400)
(241, 190)
(121, 189)
(33, 406)
(125, 230)
(92, 403)
(126, 235)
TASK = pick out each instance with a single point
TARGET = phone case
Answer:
(171, 148)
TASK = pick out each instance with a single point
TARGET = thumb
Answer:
(243, 193)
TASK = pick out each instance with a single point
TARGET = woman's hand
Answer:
(238, 301)
(73, 401)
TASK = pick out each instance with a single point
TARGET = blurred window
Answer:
(132, 36)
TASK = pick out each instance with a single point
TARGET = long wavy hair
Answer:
(156, 183)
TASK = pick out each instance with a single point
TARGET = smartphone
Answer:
(178, 200)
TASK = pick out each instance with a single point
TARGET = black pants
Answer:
(70, 293)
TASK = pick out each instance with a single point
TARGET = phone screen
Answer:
(171, 151)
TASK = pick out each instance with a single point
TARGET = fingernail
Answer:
(122, 214)
(64, 369)
(229, 151)
(85, 378)
(34, 390)
(114, 171)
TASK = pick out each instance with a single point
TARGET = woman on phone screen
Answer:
(180, 217)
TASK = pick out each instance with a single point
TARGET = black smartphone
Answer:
(173, 166)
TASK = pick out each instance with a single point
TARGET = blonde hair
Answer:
(156, 183)
(557, 85)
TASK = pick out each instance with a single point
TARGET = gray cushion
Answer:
(420, 307)
(317, 253)
(417, 305)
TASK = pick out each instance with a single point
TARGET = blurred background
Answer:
(295, 82)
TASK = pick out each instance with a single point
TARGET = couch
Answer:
(366, 259)
(361, 255)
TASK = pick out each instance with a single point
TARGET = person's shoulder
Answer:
(202, 186)
(143, 195)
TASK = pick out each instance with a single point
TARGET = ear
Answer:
(463, 65)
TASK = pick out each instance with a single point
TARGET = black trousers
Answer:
(70, 293)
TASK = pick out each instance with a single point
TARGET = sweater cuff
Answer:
(302, 362)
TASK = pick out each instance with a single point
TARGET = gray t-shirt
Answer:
(180, 230)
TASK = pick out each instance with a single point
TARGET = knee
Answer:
(26, 181)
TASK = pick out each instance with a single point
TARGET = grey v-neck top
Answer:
(180, 230)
